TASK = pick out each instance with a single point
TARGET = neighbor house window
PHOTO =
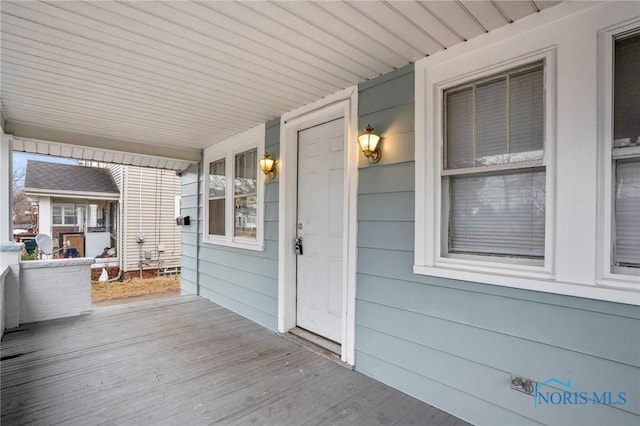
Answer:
(493, 176)
(625, 155)
(64, 214)
(235, 191)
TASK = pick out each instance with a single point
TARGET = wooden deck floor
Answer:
(185, 361)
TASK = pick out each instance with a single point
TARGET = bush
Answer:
(26, 256)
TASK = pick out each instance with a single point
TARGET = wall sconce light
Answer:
(268, 166)
(369, 145)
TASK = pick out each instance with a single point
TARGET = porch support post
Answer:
(6, 176)
(9, 250)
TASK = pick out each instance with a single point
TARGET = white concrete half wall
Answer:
(10, 271)
(54, 289)
(4, 271)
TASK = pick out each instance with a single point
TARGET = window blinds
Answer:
(501, 214)
(496, 121)
(627, 213)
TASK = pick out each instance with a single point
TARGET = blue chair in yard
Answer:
(30, 244)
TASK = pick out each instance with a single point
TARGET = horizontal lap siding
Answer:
(153, 191)
(455, 344)
(190, 237)
(244, 281)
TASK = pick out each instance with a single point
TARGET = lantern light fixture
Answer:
(268, 166)
(369, 145)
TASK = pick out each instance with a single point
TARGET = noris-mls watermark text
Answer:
(556, 392)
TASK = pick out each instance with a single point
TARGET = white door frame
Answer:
(343, 104)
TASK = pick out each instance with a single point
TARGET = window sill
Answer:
(541, 282)
(244, 245)
(621, 281)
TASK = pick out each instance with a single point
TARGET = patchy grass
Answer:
(101, 291)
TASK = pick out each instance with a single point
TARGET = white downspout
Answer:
(120, 242)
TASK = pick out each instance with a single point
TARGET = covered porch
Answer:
(185, 360)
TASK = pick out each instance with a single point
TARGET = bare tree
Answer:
(17, 186)
(23, 211)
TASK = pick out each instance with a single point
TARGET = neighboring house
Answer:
(122, 215)
(150, 204)
(77, 206)
(497, 236)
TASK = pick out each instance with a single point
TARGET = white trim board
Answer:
(576, 256)
(227, 149)
(341, 104)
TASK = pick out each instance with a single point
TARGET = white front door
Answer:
(320, 222)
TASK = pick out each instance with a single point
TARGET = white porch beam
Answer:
(28, 131)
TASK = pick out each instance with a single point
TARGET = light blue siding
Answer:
(190, 234)
(455, 344)
(244, 281)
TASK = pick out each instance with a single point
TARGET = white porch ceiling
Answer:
(170, 78)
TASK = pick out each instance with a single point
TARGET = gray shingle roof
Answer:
(66, 177)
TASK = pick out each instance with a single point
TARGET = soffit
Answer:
(164, 80)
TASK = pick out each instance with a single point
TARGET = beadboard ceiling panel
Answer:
(160, 81)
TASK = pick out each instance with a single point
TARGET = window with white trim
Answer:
(625, 155)
(64, 215)
(234, 191)
(493, 176)
(535, 189)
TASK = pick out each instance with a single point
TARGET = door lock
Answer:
(297, 247)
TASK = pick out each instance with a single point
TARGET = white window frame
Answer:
(227, 149)
(431, 234)
(578, 261)
(606, 181)
(65, 207)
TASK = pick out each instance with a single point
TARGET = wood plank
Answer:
(182, 360)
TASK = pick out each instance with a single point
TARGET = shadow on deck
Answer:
(185, 361)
